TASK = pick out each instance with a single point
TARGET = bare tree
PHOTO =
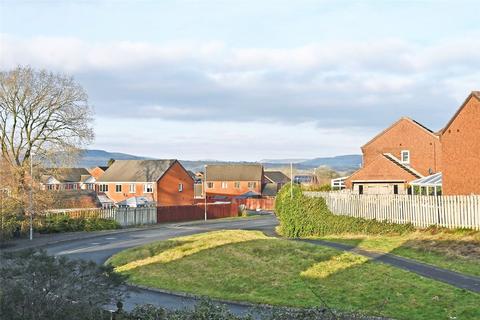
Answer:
(41, 113)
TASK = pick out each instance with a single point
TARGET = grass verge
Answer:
(449, 249)
(248, 266)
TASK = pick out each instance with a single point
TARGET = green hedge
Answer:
(302, 216)
(64, 223)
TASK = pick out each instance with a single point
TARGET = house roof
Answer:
(270, 190)
(136, 170)
(475, 94)
(276, 176)
(65, 175)
(234, 172)
(418, 124)
(405, 167)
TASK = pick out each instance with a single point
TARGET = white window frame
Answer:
(116, 188)
(147, 186)
(407, 152)
(237, 185)
(252, 184)
(180, 187)
(210, 185)
(132, 188)
(103, 187)
(224, 184)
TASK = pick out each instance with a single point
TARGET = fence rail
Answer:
(124, 216)
(421, 211)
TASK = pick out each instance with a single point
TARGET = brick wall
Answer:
(461, 151)
(230, 189)
(168, 187)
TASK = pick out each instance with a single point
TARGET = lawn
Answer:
(455, 250)
(249, 266)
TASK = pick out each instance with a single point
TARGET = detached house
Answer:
(61, 179)
(165, 182)
(461, 149)
(403, 152)
(234, 179)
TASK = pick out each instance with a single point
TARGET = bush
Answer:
(65, 223)
(35, 285)
(302, 216)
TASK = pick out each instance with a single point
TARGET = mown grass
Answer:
(248, 266)
(456, 250)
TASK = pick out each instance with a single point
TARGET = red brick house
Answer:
(403, 152)
(234, 179)
(461, 149)
(165, 182)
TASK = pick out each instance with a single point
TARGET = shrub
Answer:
(301, 216)
(38, 286)
(65, 223)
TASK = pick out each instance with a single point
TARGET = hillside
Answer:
(91, 158)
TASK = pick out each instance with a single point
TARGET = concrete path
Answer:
(455, 279)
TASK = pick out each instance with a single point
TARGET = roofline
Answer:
(175, 161)
(475, 94)
(418, 124)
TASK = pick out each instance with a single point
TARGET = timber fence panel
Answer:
(419, 210)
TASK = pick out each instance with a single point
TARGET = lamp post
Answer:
(205, 190)
(30, 196)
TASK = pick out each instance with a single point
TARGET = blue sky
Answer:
(251, 79)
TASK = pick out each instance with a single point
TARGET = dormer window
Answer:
(405, 156)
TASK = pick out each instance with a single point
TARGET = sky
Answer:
(250, 79)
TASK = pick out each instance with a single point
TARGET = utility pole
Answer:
(205, 190)
(30, 196)
(291, 180)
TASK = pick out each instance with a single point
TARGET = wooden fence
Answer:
(124, 216)
(196, 212)
(267, 204)
(421, 211)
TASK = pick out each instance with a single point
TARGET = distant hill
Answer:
(346, 162)
(92, 158)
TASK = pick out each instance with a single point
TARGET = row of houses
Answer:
(407, 157)
(136, 183)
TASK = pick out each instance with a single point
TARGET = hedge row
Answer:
(64, 223)
(302, 216)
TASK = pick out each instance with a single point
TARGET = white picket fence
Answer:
(124, 216)
(421, 211)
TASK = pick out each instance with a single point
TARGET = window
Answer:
(395, 189)
(118, 188)
(132, 188)
(252, 185)
(180, 187)
(237, 185)
(224, 185)
(50, 187)
(148, 188)
(360, 189)
(103, 188)
(405, 156)
(90, 186)
(209, 184)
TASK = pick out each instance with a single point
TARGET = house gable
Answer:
(407, 135)
(461, 149)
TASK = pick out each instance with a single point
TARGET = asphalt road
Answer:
(100, 248)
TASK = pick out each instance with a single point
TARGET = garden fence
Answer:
(124, 216)
(421, 211)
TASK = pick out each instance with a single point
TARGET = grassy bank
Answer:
(248, 266)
